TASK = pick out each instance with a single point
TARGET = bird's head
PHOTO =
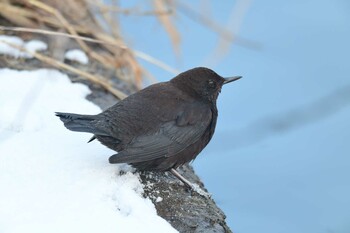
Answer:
(202, 82)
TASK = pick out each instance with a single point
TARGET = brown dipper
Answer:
(160, 127)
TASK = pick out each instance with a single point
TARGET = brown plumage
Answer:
(160, 127)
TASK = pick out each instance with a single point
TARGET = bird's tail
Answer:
(79, 123)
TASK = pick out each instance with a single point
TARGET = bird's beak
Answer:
(231, 79)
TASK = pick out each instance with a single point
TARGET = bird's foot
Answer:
(194, 187)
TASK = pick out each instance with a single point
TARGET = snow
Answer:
(31, 46)
(77, 55)
(35, 45)
(51, 180)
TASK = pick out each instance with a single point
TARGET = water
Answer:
(279, 160)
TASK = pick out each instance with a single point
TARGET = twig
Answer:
(237, 14)
(211, 24)
(129, 11)
(107, 16)
(110, 42)
(46, 32)
(71, 30)
(13, 13)
(168, 25)
(155, 61)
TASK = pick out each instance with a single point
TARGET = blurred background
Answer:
(279, 160)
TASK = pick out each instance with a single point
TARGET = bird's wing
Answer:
(170, 139)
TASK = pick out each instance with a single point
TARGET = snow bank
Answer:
(51, 180)
(77, 55)
(32, 46)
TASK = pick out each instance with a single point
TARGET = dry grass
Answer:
(76, 20)
(60, 65)
(168, 24)
(93, 26)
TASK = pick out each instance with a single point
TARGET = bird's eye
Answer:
(211, 84)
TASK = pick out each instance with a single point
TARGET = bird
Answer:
(160, 127)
